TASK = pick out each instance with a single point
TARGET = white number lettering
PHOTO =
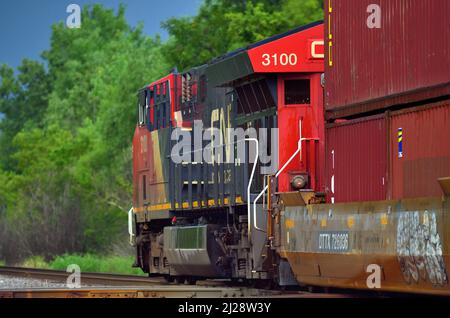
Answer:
(283, 59)
(275, 59)
(266, 58)
(293, 59)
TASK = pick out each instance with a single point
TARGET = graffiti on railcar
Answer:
(419, 248)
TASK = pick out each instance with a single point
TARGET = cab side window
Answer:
(157, 112)
(297, 92)
(148, 108)
(163, 105)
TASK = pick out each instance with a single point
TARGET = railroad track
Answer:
(101, 285)
(86, 278)
(169, 291)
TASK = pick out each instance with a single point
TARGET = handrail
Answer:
(131, 227)
(299, 149)
(250, 183)
(267, 186)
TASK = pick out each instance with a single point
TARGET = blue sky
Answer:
(25, 25)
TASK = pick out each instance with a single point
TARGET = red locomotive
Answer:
(238, 172)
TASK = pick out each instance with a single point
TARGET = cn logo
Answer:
(374, 19)
(317, 49)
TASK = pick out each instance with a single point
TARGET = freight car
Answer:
(236, 174)
(385, 53)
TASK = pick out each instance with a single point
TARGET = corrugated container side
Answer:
(422, 155)
(356, 160)
(400, 62)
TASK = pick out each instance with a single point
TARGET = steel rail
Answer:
(169, 291)
(102, 285)
(86, 277)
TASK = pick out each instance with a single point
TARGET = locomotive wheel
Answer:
(179, 280)
(169, 278)
(312, 289)
(190, 281)
(262, 284)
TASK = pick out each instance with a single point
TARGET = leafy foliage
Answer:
(66, 136)
(96, 264)
(17, 96)
(88, 263)
(65, 139)
(225, 25)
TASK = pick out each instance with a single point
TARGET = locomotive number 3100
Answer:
(279, 59)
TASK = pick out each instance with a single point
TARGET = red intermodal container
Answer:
(421, 154)
(356, 160)
(394, 155)
(405, 60)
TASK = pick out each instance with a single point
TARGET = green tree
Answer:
(23, 102)
(71, 182)
(65, 139)
(224, 25)
(302, 12)
(252, 25)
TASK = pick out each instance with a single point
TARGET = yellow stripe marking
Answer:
(350, 221)
(330, 35)
(185, 205)
(384, 219)
(330, 59)
(289, 223)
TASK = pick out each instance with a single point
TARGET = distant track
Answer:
(86, 278)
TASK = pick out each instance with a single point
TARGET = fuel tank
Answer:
(194, 251)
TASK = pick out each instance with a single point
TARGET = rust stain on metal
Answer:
(289, 223)
(384, 219)
(350, 221)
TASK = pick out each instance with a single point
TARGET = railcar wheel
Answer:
(190, 281)
(179, 280)
(169, 278)
(312, 289)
